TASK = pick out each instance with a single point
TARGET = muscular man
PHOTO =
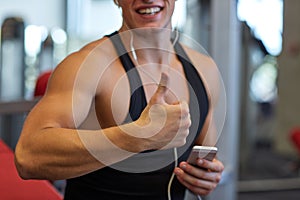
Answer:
(109, 128)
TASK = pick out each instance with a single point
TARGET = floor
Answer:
(270, 177)
(274, 195)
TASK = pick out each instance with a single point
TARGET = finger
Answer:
(193, 181)
(159, 95)
(200, 173)
(163, 83)
(185, 110)
(213, 166)
(193, 189)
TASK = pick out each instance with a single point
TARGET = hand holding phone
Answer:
(204, 152)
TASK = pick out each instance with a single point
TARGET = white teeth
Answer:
(150, 11)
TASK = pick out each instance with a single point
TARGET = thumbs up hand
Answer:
(164, 125)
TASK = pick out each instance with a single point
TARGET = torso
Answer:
(111, 103)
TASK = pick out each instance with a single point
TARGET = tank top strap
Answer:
(199, 103)
(138, 100)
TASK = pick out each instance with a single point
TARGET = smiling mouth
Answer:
(149, 11)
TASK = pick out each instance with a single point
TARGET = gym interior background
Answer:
(255, 43)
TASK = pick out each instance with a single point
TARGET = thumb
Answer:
(159, 95)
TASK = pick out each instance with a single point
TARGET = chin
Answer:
(155, 26)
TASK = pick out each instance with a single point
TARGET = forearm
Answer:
(59, 153)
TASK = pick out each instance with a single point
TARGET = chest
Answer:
(112, 103)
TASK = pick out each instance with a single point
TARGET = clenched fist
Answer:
(164, 125)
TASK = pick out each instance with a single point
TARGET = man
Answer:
(105, 125)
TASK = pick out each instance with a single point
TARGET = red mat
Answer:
(295, 137)
(12, 187)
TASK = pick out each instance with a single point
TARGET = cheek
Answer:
(127, 17)
(125, 3)
(171, 6)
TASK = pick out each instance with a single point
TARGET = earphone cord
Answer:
(173, 174)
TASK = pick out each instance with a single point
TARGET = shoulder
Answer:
(208, 71)
(199, 59)
(84, 66)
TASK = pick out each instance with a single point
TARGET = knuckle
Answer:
(205, 192)
(185, 112)
(218, 178)
(187, 132)
(203, 174)
(183, 135)
(213, 186)
(197, 183)
(222, 168)
(186, 124)
(218, 169)
(183, 142)
(189, 123)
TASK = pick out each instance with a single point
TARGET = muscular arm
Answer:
(50, 146)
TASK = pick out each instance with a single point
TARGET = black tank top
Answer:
(147, 174)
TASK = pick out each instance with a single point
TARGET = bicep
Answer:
(208, 135)
(57, 109)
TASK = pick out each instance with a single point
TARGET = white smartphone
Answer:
(205, 152)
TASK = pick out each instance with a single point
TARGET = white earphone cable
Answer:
(173, 175)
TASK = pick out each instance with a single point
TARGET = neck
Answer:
(149, 37)
(150, 45)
